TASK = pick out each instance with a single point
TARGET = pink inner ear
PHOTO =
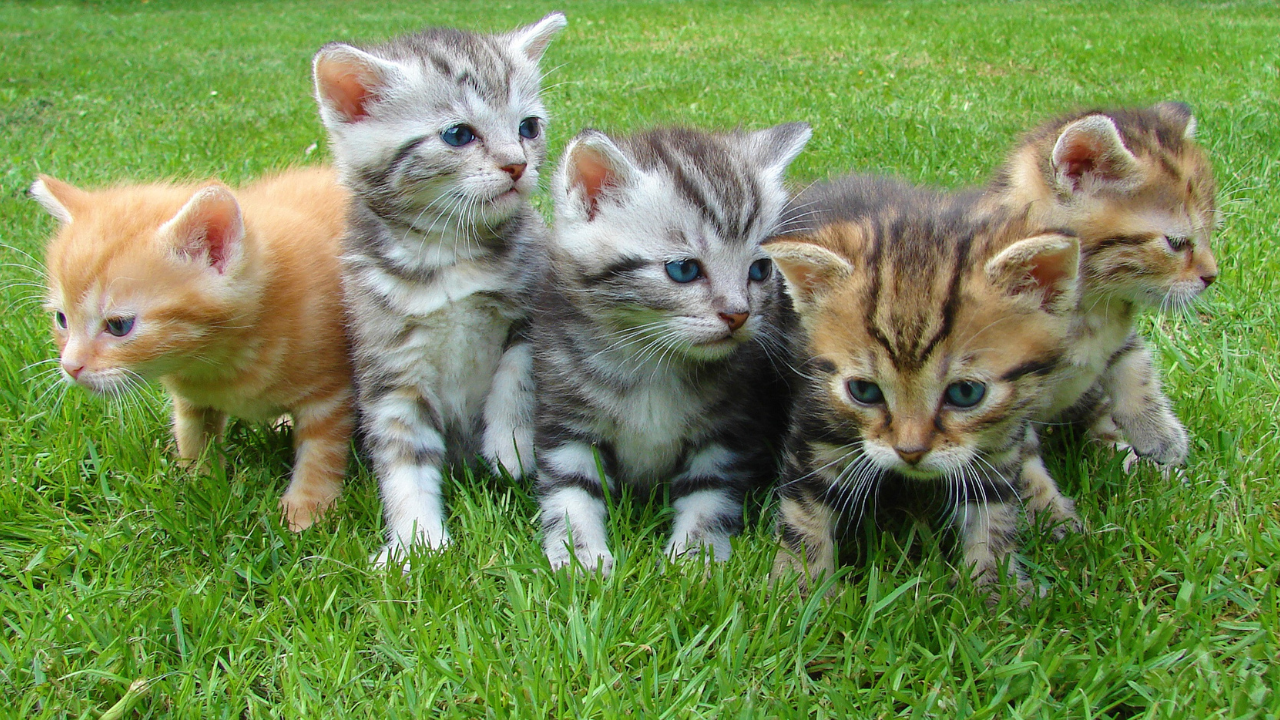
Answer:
(211, 232)
(1048, 272)
(345, 88)
(593, 175)
(1080, 157)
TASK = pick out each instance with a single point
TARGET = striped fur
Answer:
(443, 243)
(650, 380)
(903, 305)
(235, 307)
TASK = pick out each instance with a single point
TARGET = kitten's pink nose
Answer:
(734, 320)
(72, 370)
(911, 455)
(515, 170)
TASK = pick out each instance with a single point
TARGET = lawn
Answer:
(120, 565)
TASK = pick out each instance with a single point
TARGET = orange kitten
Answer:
(230, 299)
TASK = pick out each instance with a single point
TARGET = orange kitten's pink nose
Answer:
(72, 370)
(734, 320)
(911, 456)
(515, 170)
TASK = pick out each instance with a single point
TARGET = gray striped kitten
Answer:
(439, 135)
(653, 330)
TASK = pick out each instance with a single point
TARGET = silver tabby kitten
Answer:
(439, 135)
(652, 331)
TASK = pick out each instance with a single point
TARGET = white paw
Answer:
(591, 560)
(396, 552)
(714, 546)
(513, 453)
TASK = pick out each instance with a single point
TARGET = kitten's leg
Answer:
(322, 440)
(405, 441)
(1041, 494)
(573, 510)
(509, 412)
(708, 504)
(988, 525)
(1141, 409)
(195, 427)
(806, 536)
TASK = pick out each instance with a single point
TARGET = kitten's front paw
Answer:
(591, 560)
(301, 509)
(396, 552)
(717, 547)
(1060, 512)
(512, 452)
(1166, 444)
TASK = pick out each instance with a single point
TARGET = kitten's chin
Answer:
(107, 385)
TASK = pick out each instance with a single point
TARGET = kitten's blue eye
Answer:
(865, 392)
(529, 128)
(760, 270)
(61, 319)
(966, 393)
(683, 271)
(458, 135)
(119, 326)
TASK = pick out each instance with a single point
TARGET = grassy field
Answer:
(119, 565)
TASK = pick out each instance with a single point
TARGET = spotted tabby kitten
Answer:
(1139, 193)
(929, 333)
(652, 333)
(440, 137)
(230, 299)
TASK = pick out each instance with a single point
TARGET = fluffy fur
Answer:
(907, 314)
(1140, 194)
(440, 136)
(653, 380)
(230, 299)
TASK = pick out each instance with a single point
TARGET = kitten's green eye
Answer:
(1177, 243)
(966, 393)
(683, 271)
(529, 128)
(119, 326)
(865, 392)
(760, 270)
(458, 135)
(61, 319)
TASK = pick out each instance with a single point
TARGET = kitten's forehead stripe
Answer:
(479, 62)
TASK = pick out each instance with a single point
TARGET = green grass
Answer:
(119, 565)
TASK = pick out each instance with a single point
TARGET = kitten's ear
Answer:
(348, 80)
(1179, 115)
(208, 229)
(809, 270)
(532, 40)
(59, 199)
(1044, 269)
(1091, 152)
(594, 168)
(779, 145)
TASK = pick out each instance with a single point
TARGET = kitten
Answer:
(230, 299)
(1140, 194)
(652, 333)
(439, 135)
(929, 331)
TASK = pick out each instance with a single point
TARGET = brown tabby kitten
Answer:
(929, 331)
(230, 299)
(1139, 193)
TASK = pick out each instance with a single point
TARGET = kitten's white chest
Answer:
(1094, 339)
(651, 425)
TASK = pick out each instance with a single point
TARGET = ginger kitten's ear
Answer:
(1091, 153)
(1179, 115)
(810, 271)
(779, 145)
(593, 169)
(208, 229)
(57, 198)
(1043, 270)
(532, 40)
(348, 81)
